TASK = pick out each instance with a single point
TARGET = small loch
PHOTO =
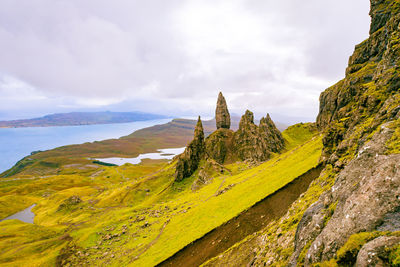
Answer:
(25, 215)
(166, 153)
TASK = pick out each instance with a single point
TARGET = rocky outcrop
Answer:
(369, 89)
(222, 117)
(250, 143)
(255, 143)
(365, 194)
(376, 252)
(188, 162)
(271, 135)
(359, 116)
(219, 146)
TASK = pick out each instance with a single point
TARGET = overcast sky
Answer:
(173, 57)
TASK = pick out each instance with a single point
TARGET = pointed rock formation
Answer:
(255, 143)
(251, 142)
(271, 134)
(222, 117)
(247, 140)
(188, 162)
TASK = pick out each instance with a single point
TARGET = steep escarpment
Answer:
(251, 142)
(360, 117)
(368, 96)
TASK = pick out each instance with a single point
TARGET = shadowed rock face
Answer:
(189, 161)
(219, 146)
(222, 117)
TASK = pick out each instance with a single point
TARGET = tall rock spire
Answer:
(222, 117)
(188, 162)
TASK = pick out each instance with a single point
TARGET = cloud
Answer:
(176, 55)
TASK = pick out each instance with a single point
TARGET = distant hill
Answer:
(81, 118)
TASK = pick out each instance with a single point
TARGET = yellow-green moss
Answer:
(393, 145)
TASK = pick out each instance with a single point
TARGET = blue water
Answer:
(16, 143)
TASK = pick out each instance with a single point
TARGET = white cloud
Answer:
(174, 56)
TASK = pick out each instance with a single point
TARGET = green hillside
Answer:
(135, 214)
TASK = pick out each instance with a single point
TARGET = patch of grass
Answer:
(348, 253)
(393, 145)
(298, 134)
(24, 244)
(394, 256)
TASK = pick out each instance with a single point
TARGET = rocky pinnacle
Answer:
(188, 161)
(222, 117)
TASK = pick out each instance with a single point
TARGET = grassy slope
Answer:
(250, 187)
(134, 204)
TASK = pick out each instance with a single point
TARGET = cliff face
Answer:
(360, 119)
(368, 94)
(351, 213)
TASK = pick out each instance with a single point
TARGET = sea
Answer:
(16, 143)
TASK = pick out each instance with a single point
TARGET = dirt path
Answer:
(248, 222)
(151, 243)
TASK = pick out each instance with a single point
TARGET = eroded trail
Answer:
(246, 223)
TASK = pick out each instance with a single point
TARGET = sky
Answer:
(173, 57)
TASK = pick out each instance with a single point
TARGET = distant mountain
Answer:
(81, 118)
